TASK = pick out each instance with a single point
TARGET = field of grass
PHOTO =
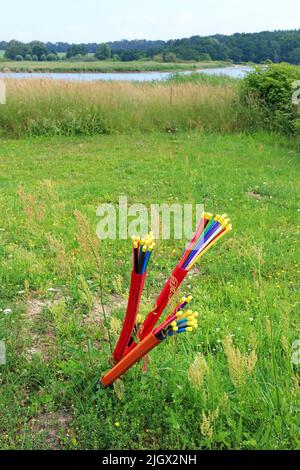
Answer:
(54, 107)
(242, 392)
(105, 66)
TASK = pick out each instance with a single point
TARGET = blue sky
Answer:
(97, 20)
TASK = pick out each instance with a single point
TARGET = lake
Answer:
(232, 71)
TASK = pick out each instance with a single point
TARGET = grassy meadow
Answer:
(230, 384)
(104, 66)
(65, 148)
(39, 107)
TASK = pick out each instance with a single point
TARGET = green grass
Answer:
(246, 287)
(178, 78)
(105, 66)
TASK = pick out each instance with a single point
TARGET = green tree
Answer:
(204, 56)
(75, 50)
(38, 48)
(16, 48)
(51, 57)
(103, 52)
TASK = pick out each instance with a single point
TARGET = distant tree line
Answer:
(277, 46)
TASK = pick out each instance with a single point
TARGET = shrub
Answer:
(35, 58)
(51, 57)
(158, 58)
(28, 57)
(204, 56)
(270, 89)
(170, 57)
(19, 58)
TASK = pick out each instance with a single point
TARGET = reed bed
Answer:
(105, 66)
(53, 107)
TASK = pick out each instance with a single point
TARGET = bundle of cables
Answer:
(130, 349)
(141, 252)
(178, 322)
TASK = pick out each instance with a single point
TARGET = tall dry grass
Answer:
(51, 107)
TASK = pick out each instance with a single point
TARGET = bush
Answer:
(51, 57)
(35, 58)
(19, 58)
(170, 57)
(270, 89)
(28, 57)
(158, 58)
(203, 56)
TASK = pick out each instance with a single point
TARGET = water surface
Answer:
(232, 71)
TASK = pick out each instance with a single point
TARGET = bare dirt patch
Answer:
(96, 316)
(52, 426)
(35, 307)
(254, 194)
(195, 271)
(41, 343)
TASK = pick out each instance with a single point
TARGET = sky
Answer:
(100, 21)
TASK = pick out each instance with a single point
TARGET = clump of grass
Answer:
(201, 78)
(240, 366)
(48, 107)
(207, 423)
(197, 371)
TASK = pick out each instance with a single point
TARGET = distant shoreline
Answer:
(107, 67)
